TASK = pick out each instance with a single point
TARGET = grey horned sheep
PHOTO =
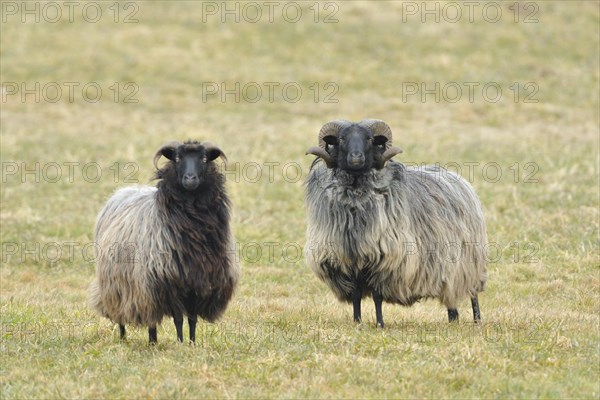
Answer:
(378, 227)
(167, 250)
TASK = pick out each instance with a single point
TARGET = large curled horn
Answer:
(213, 151)
(169, 146)
(331, 128)
(380, 128)
(322, 153)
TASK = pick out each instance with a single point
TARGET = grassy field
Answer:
(87, 100)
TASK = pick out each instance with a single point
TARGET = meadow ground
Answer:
(506, 93)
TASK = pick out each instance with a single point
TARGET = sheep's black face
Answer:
(355, 149)
(190, 168)
(191, 163)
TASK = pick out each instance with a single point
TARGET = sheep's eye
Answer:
(177, 158)
(204, 159)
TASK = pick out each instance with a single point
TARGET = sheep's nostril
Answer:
(190, 181)
(356, 159)
(190, 178)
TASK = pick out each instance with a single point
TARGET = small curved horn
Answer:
(332, 128)
(379, 128)
(169, 146)
(320, 152)
(210, 147)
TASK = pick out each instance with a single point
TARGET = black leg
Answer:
(179, 327)
(378, 299)
(356, 298)
(452, 315)
(152, 335)
(192, 324)
(122, 331)
(476, 312)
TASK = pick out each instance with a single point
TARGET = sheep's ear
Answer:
(330, 139)
(167, 151)
(212, 153)
(380, 140)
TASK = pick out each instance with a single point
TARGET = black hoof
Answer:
(452, 315)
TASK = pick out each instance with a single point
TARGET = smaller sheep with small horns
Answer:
(167, 250)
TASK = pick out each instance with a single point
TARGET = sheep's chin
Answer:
(356, 165)
(356, 169)
(190, 186)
